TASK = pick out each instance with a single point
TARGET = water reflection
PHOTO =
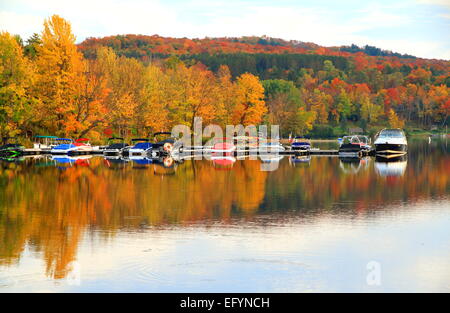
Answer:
(48, 205)
(391, 167)
(350, 165)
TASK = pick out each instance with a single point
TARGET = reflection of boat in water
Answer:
(62, 161)
(116, 162)
(164, 166)
(271, 158)
(223, 161)
(141, 162)
(391, 142)
(299, 159)
(351, 165)
(391, 167)
(270, 161)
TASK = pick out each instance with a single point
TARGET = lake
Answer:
(318, 224)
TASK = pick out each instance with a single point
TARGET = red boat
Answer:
(83, 145)
(223, 147)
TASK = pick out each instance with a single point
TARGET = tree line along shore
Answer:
(51, 86)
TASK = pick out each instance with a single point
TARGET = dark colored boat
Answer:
(11, 150)
(301, 144)
(167, 145)
(116, 146)
(354, 146)
(140, 149)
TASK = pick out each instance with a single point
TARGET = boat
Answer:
(68, 146)
(115, 146)
(223, 147)
(391, 142)
(246, 144)
(270, 147)
(354, 146)
(301, 144)
(140, 149)
(45, 143)
(11, 150)
(83, 146)
(167, 145)
(64, 146)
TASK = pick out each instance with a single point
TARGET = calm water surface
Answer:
(301, 225)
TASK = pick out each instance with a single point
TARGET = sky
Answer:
(417, 27)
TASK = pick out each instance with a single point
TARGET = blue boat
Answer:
(65, 145)
(140, 149)
(301, 144)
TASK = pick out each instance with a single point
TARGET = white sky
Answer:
(417, 27)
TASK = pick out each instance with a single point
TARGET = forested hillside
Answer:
(134, 85)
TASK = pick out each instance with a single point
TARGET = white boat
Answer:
(391, 142)
(270, 147)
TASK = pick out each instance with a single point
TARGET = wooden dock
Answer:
(198, 151)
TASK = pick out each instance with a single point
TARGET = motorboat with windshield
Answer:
(140, 148)
(165, 144)
(11, 149)
(354, 146)
(115, 146)
(301, 144)
(391, 142)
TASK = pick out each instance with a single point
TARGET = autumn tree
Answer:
(155, 101)
(16, 78)
(250, 106)
(60, 73)
(394, 121)
(226, 96)
(369, 110)
(124, 80)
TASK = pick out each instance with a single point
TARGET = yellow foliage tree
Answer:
(16, 77)
(370, 111)
(250, 106)
(153, 110)
(394, 120)
(60, 75)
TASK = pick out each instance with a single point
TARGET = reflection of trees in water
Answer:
(50, 208)
(327, 182)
